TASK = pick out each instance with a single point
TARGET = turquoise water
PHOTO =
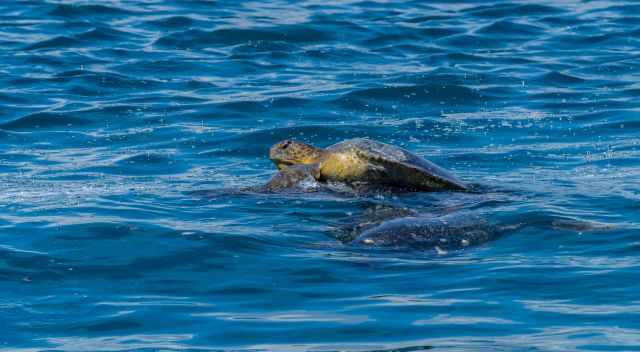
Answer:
(126, 126)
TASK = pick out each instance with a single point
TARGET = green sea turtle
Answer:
(358, 161)
(444, 231)
(420, 232)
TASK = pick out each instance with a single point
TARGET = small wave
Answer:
(288, 102)
(439, 32)
(43, 120)
(513, 10)
(431, 18)
(142, 164)
(619, 9)
(563, 79)
(263, 105)
(263, 46)
(470, 41)
(630, 20)
(568, 20)
(391, 38)
(103, 34)
(419, 93)
(196, 38)
(577, 41)
(73, 10)
(56, 42)
(340, 27)
(146, 159)
(584, 105)
(244, 106)
(510, 29)
(622, 126)
(13, 98)
(172, 22)
(96, 37)
(103, 79)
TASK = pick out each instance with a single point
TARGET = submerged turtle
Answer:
(441, 232)
(358, 161)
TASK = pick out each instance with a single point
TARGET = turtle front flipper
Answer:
(292, 176)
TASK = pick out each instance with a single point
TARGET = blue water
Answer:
(126, 126)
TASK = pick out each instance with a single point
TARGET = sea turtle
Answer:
(441, 232)
(423, 232)
(358, 161)
(366, 162)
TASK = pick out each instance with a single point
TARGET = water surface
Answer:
(112, 113)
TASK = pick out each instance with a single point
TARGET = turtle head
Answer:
(289, 152)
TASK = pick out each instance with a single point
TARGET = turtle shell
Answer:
(399, 167)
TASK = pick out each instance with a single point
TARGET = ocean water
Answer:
(128, 127)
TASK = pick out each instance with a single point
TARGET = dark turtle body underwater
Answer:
(402, 229)
(447, 232)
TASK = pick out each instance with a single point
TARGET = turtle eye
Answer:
(285, 145)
